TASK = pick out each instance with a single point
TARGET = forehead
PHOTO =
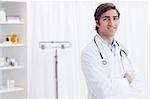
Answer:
(111, 12)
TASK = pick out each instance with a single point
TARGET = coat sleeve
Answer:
(98, 83)
(136, 85)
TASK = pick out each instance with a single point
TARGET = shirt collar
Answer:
(104, 42)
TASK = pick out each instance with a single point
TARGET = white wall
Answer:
(74, 21)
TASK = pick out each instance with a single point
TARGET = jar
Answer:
(2, 14)
(14, 39)
(8, 38)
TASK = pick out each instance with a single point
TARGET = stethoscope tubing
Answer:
(104, 62)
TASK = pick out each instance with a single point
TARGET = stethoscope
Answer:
(104, 62)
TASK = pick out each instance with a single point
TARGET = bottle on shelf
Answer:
(2, 14)
(14, 39)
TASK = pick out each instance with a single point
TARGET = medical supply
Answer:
(2, 14)
(10, 83)
(104, 62)
(11, 39)
(14, 39)
(2, 61)
(11, 61)
(13, 18)
(8, 39)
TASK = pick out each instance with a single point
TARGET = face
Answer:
(108, 24)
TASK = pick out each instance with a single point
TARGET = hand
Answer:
(128, 77)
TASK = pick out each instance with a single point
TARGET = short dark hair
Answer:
(102, 8)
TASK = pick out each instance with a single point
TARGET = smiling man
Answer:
(105, 63)
(107, 23)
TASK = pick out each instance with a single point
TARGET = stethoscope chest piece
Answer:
(104, 62)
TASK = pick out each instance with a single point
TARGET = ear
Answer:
(97, 23)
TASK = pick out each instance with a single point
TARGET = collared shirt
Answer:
(112, 47)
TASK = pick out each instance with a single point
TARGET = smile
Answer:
(111, 28)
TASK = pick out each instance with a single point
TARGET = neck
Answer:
(110, 41)
(107, 39)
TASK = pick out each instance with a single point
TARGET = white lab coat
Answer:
(106, 81)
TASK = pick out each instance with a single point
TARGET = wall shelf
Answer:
(11, 23)
(18, 51)
(5, 90)
(11, 67)
(11, 45)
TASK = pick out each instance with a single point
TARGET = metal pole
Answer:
(56, 73)
(57, 45)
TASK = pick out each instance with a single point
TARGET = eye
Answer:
(116, 18)
(105, 19)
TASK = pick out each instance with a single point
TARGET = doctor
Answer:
(105, 62)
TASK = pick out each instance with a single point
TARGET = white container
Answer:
(10, 83)
(2, 62)
(2, 14)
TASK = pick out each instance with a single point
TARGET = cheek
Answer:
(117, 23)
(103, 25)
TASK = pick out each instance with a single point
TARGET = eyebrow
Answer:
(108, 16)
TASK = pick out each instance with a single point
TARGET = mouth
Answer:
(112, 28)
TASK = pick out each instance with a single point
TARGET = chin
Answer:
(112, 33)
